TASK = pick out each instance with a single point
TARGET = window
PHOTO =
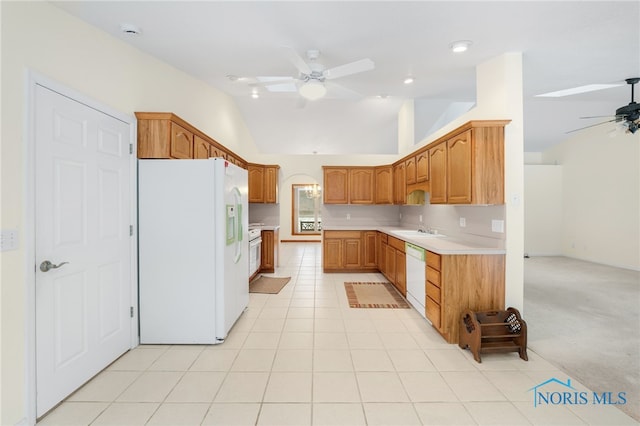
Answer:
(305, 208)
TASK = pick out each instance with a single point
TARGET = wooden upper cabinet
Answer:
(200, 147)
(361, 185)
(335, 185)
(384, 185)
(181, 142)
(422, 166)
(410, 170)
(256, 183)
(459, 167)
(438, 173)
(399, 184)
(271, 184)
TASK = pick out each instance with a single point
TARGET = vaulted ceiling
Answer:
(228, 44)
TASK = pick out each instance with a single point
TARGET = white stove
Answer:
(255, 250)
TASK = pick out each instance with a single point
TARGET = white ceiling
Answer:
(564, 44)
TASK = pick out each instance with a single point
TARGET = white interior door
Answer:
(82, 211)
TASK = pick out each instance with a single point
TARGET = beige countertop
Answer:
(438, 244)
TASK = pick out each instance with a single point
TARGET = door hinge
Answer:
(131, 311)
(131, 230)
(130, 148)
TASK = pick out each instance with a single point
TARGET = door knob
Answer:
(46, 266)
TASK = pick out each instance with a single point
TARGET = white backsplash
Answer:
(269, 214)
(360, 215)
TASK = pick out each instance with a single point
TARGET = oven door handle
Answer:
(255, 242)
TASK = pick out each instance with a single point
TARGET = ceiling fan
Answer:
(314, 79)
(629, 115)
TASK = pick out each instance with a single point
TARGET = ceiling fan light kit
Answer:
(312, 90)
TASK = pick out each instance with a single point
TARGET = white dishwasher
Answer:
(416, 277)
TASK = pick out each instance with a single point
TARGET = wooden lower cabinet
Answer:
(349, 251)
(395, 264)
(269, 251)
(459, 282)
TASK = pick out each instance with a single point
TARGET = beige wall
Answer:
(39, 37)
(543, 210)
(601, 196)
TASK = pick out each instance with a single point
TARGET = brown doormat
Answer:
(374, 295)
(269, 285)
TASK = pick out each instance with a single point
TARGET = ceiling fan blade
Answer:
(339, 91)
(272, 81)
(593, 125)
(348, 69)
(296, 60)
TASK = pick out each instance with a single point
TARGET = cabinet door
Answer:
(401, 272)
(200, 147)
(399, 184)
(459, 160)
(336, 185)
(352, 248)
(410, 170)
(271, 184)
(422, 166)
(369, 246)
(391, 264)
(332, 254)
(384, 185)
(361, 185)
(438, 173)
(256, 184)
(267, 252)
(181, 145)
(381, 252)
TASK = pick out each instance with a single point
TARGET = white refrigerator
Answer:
(193, 251)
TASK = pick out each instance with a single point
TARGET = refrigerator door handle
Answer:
(237, 198)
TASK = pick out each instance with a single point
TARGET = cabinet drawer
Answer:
(396, 243)
(342, 234)
(433, 312)
(433, 276)
(181, 142)
(433, 260)
(433, 292)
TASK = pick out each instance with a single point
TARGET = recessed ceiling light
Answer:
(576, 90)
(382, 96)
(254, 94)
(460, 46)
(408, 80)
(130, 29)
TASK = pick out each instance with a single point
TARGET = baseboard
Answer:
(300, 241)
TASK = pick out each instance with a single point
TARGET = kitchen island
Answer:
(459, 274)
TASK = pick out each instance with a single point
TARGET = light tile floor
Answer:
(304, 357)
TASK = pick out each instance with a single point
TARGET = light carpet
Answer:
(268, 285)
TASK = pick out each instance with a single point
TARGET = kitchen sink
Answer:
(415, 234)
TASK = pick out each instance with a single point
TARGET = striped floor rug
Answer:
(374, 295)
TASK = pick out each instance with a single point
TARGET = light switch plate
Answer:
(497, 226)
(8, 239)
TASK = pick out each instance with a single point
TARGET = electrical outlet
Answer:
(8, 239)
(348, 216)
(420, 218)
(497, 226)
(463, 222)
